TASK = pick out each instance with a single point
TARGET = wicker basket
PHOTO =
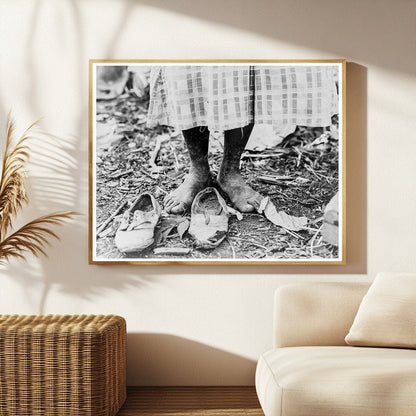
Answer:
(72, 365)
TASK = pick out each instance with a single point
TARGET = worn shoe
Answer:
(209, 219)
(136, 231)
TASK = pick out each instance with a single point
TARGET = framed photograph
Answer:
(217, 162)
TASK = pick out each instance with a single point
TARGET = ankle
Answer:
(200, 164)
(226, 174)
(200, 172)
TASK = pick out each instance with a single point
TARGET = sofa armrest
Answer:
(309, 314)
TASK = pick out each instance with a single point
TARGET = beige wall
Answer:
(199, 324)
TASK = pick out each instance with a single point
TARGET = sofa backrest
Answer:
(309, 314)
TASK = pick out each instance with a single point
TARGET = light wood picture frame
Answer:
(294, 162)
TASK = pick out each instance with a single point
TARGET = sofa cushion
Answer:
(315, 314)
(341, 381)
(387, 314)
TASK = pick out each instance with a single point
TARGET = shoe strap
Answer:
(140, 226)
(142, 220)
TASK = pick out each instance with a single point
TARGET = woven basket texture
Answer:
(62, 365)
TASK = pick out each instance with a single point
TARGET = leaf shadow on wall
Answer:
(59, 181)
(60, 177)
(164, 359)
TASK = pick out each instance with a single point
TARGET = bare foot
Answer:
(180, 200)
(244, 198)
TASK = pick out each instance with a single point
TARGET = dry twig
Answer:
(103, 225)
(176, 157)
(314, 238)
(179, 251)
(231, 246)
(119, 174)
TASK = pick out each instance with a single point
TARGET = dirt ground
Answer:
(300, 176)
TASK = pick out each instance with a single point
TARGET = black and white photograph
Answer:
(217, 162)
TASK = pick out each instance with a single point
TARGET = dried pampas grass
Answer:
(34, 236)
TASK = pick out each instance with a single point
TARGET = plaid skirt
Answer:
(228, 97)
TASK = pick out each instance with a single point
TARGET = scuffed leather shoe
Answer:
(209, 219)
(136, 231)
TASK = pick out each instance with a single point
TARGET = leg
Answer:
(179, 201)
(242, 196)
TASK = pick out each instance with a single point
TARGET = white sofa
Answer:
(311, 371)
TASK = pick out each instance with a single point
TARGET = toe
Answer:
(178, 208)
(255, 201)
(167, 201)
(175, 210)
(168, 205)
(245, 207)
(170, 197)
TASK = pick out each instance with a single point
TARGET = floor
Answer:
(191, 401)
